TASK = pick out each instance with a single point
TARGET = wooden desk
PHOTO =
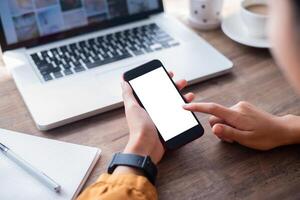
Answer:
(206, 168)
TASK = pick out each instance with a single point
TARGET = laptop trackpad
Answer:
(110, 81)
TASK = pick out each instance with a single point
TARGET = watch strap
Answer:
(143, 163)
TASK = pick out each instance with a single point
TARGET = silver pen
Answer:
(42, 177)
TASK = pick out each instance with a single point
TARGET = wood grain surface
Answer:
(206, 168)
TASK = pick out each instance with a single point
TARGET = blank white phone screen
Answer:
(163, 103)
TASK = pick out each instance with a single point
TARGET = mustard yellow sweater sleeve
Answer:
(123, 187)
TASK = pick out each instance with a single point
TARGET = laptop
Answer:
(67, 57)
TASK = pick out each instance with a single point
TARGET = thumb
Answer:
(127, 94)
(230, 134)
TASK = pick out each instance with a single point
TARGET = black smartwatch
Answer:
(143, 163)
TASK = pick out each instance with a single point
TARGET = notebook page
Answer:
(66, 163)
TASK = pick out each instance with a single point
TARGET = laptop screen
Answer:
(28, 21)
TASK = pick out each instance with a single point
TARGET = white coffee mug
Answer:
(205, 14)
(256, 23)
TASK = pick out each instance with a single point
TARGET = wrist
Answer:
(137, 148)
(291, 124)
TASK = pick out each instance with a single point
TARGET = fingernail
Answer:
(187, 105)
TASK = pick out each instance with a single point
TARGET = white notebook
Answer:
(68, 164)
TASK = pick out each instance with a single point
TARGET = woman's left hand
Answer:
(143, 136)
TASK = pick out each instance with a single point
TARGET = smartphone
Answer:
(156, 92)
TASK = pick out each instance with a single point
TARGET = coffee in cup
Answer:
(260, 9)
(255, 16)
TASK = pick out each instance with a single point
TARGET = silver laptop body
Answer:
(67, 59)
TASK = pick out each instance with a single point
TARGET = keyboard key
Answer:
(58, 75)
(156, 47)
(138, 52)
(47, 77)
(165, 45)
(56, 69)
(35, 58)
(149, 50)
(174, 44)
(68, 72)
(79, 69)
(45, 69)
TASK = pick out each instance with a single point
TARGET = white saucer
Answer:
(236, 30)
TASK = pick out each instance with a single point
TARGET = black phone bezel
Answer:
(181, 139)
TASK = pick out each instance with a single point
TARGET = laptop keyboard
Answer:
(84, 55)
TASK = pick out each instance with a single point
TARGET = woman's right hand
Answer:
(249, 126)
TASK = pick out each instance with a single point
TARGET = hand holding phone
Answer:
(143, 135)
(156, 92)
